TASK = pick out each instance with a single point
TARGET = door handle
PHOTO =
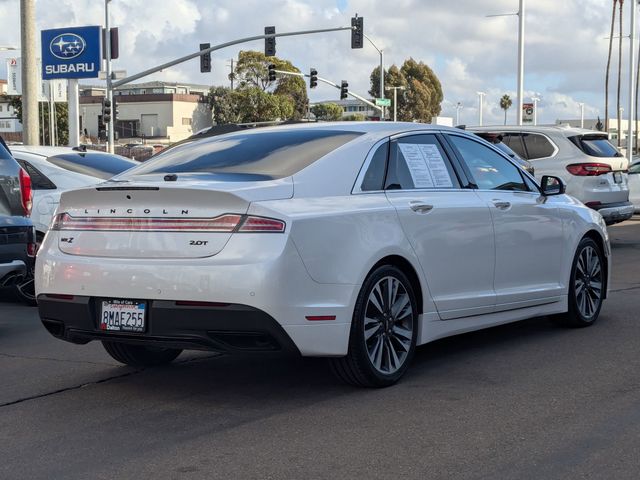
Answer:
(420, 207)
(502, 205)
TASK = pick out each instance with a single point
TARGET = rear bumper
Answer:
(226, 328)
(615, 212)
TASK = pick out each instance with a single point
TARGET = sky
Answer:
(565, 44)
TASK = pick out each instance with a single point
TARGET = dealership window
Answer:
(186, 121)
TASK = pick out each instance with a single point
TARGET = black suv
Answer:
(17, 235)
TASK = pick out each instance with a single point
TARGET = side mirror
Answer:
(552, 185)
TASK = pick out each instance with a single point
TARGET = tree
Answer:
(606, 81)
(252, 68)
(327, 111)
(355, 117)
(423, 96)
(223, 105)
(505, 104)
(61, 114)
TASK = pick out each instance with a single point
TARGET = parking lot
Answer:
(526, 400)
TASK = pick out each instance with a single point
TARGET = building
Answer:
(10, 126)
(161, 111)
(352, 107)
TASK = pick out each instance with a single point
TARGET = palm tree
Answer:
(606, 82)
(621, 3)
(505, 104)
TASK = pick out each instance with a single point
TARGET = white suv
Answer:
(594, 170)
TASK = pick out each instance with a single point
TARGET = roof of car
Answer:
(565, 130)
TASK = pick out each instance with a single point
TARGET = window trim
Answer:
(357, 186)
(522, 172)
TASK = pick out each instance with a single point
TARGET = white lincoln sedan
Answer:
(354, 241)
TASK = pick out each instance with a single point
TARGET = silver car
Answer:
(593, 169)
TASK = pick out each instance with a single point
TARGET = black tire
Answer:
(357, 367)
(584, 299)
(140, 356)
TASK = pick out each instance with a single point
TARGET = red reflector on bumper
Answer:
(317, 318)
(59, 296)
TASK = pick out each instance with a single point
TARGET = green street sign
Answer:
(383, 102)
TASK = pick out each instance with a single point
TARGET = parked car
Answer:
(17, 237)
(593, 169)
(354, 241)
(496, 139)
(634, 184)
(54, 170)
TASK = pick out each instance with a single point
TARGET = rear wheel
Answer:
(586, 287)
(140, 356)
(383, 331)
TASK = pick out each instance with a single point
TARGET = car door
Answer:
(528, 228)
(449, 227)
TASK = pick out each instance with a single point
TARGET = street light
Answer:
(458, 107)
(521, 15)
(395, 99)
(381, 71)
(581, 105)
(535, 109)
(480, 105)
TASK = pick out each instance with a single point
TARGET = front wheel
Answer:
(586, 286)
(140, 356)
(383, 331)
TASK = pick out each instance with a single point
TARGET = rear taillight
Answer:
(31, 249)
(262, 224)
(228, 223)
(588, 169)
(26, 193)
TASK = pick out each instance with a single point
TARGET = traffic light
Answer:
(114, 109)
(106, 110)
(344, 89)
(205, 58)
(269, 42)
(357, 32)
(313, 78)
(272, 72)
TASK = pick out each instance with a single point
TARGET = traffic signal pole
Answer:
(335, 85)
(107, 50)
(124, 81)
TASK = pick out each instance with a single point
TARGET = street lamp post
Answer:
(535, 109)
(521, 17)
(395, 100)
(30, 120)
(581, 105)
(458, 107)
(381, 71)
(632, 79)
(109, 92)
(480, 106)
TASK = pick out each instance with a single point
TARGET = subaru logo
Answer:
(67, 46)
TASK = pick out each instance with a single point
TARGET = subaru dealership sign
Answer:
(71, 52)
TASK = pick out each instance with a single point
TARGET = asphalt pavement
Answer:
(524, 401)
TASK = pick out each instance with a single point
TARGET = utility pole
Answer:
(480, 106)
(632, 80)
(458, 107)
(520, 60)
(109, 92)
(30, 120)
(395, 100)
(231, 75)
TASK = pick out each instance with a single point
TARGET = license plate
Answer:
(617, 177)
(122, 315)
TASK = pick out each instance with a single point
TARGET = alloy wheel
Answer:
(388, 325)
(588, 282)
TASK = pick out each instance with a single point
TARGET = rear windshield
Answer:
(4, 150)
(272, 154)
(97, 165)
(596, 146)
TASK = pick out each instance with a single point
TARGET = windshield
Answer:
(97, 165)
(269, 154)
